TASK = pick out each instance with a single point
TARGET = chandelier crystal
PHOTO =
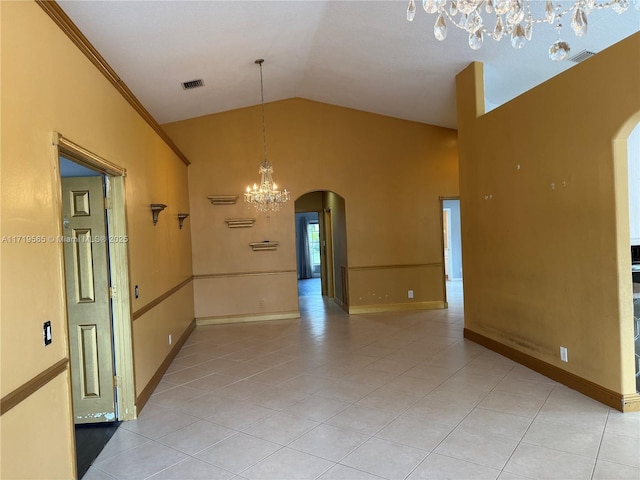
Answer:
(266, 196)
(513, 19)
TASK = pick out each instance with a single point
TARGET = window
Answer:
(313, 235)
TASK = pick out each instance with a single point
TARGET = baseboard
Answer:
(246, 318)
(146, 393)
(631, 402)
(395, 307)
(624, 403)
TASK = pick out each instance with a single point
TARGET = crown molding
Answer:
(63, 21)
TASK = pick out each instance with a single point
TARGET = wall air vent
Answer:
(582, 56)
(192, 84)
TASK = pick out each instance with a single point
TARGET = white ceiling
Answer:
(358, 54)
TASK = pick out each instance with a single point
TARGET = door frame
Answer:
(327, 248)
(446, 241)
(444, 281)
(118, 267)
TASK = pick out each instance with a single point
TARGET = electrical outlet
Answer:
(46, 332)
(410, 293)
(170, 339)
(564, 354)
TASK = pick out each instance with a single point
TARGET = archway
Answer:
(626, 149)
(321, 243)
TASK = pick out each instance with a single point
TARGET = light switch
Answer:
(46, 332)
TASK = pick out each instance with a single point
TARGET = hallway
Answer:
(388, 395)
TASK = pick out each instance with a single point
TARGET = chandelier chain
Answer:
(264, 128)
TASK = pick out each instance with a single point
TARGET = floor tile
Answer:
(514, 404)
(362, 419)
(342, 472)
(506, 425)
(95, 474)
(345, 391)
(385, 459)
(488, 450)
(415, 433)
(619, 449)
(196, 437)
(279, 398)
(186, 375)
(625, 424)
(317, 408)
(439, 467)
(237, 453)
(546, 464)
(239, 415)
(211, 382)
(159, 424)
(141, 462)
(281, 428)
(192, 469)
(450, 415)
(175, 397)
(567, 437)
(121, 441)
(330, 443)
(528, 388)
(288, 464)
(614, 471)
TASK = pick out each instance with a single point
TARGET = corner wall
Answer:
(49, 85)
(389, 172)
(544, 263)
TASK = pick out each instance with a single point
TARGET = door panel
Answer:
(88, 304)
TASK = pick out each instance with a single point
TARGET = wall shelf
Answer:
(240, 222)
(181, 217)
(223, 199)
(260, 246)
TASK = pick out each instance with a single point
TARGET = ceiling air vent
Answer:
(582, 56)
(192, 84)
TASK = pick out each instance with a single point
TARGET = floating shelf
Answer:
(240, 222)
(223, 199)
(260, 246)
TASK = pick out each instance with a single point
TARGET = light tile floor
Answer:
(391, 396)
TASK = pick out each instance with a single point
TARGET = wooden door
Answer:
(88, 299)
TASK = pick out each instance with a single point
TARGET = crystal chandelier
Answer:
(513, 18)
(265, 197)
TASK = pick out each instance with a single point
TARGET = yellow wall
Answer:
(49, 85)
(546, 253)
(390, 173)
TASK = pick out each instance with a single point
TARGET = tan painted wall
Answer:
(47, 85)
(389, 171)
(546, 253)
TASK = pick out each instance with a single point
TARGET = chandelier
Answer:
(513, 18)
(265, 197)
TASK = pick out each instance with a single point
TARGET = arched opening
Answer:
(626, 148)
(321, 246)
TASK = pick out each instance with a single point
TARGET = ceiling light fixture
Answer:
(513, 18)
(265, 197)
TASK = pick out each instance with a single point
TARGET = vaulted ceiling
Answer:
(358, 54)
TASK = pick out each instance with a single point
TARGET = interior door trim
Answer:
(87, 158)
